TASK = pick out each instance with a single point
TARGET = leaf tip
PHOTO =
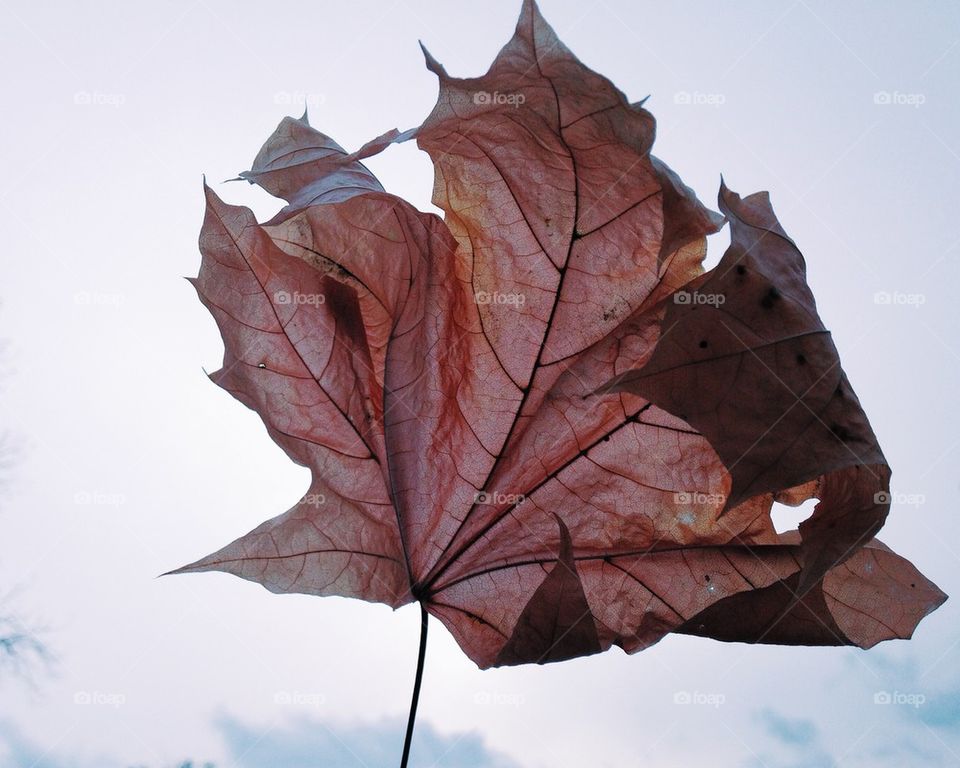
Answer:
(529, 10)
(724, 190)
(432, 64)
(212, 198)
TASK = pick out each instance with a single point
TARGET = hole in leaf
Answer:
(787, 518)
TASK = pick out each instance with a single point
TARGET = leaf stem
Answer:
(416, 686)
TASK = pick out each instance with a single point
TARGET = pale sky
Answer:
(129, 462)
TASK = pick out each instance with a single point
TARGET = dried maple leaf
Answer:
(538, 417)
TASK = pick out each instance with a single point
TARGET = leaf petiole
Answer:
(416, 686)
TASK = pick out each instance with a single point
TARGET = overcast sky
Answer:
(130, 462)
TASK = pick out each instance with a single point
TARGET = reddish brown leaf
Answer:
(875, 595)
(507, 414)
(556, 623)
(753, 369)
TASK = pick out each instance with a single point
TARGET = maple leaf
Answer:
(538, 416)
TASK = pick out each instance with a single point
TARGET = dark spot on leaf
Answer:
(741, 270)
(801, 360)
(841, 432)
(706, 576)
(770, 298)
(703, 344)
